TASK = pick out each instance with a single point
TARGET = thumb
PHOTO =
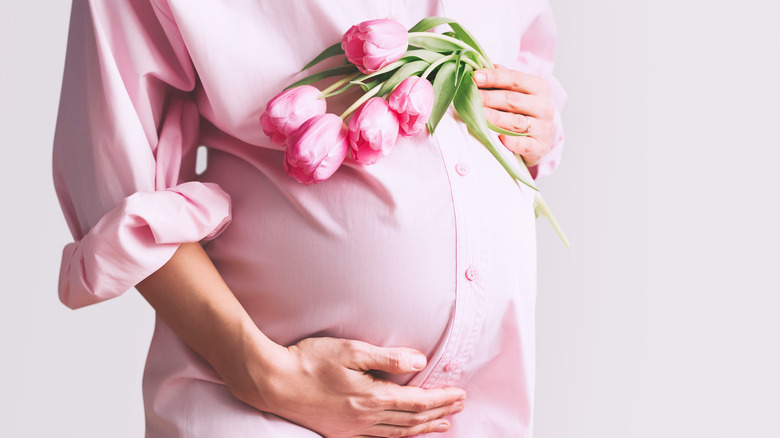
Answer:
(391, 360)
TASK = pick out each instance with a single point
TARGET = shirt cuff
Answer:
(138, 237)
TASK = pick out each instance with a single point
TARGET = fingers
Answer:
(519, 123)
(403, 418)
(515, 102)
(507, 79)
(428, 408)
(399, 423)
(382, 430)
(414, 399)
(330, 391)
(364, 356)
(530, 149)
(512, 101)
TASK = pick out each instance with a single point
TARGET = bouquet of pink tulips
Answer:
(409, 79)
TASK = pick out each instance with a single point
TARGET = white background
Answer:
(663, 319)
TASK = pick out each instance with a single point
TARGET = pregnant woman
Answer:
(390, 300)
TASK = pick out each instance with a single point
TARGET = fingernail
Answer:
(443, 427)
(458, 406)
(418, 362)
(480, 78)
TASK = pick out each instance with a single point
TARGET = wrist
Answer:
(251, 365)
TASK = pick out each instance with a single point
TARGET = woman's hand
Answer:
(324, 384)
(521, 103)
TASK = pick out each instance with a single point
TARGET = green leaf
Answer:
(335, 71)
(425, 55)
(327, 53)
(504, 131)
(409, 69)
(365, 85)
(443, 92)
(540, 207)
(429, 23)
(370, 85)
(472, 56)
(385, 69)
(467, 38)
(434, 45)
(461, 69)
(460, 32)
(469, 106)
(342, 89)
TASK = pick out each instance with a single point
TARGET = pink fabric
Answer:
(432, 247)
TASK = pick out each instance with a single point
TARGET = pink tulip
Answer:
(316, 149)
(372, 131)
(412, 101)
(285, 113)
(373, 44)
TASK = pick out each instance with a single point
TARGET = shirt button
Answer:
(472, 273)
(462, 169)
(452, 367)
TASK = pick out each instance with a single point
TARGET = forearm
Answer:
(190, 296)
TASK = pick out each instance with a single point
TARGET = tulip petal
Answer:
(317, 149)
(373, 130)
(288, 110)
(374, 44)
(412, 101)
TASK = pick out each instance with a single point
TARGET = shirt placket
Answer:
(470, 284)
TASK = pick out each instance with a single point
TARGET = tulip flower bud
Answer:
(372, 131)
(285, 113)
(412, 101)
(316, 149)
(373, 44)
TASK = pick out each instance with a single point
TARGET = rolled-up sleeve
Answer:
(537, 56)
(124, 147)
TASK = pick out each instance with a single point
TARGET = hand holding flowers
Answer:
(518, 102)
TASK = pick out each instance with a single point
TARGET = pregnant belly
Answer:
(366, 255)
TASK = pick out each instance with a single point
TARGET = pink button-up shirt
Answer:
(432, 248)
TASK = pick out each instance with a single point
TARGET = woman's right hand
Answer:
(324, 384)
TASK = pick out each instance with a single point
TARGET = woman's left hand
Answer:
(521, 103)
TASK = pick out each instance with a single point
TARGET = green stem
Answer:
(360, 101)
(483, 62)
(435, 64)
(471, 63)
(338, 84)
(383, 70)
(541, 207)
